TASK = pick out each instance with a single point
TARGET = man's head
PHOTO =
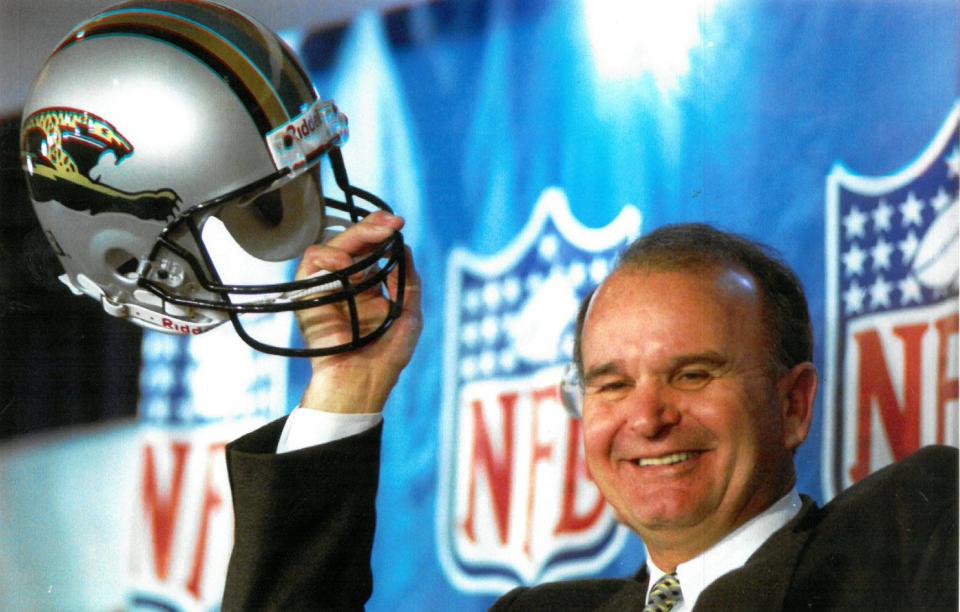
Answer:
(698, 387)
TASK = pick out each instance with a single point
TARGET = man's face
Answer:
(686, 426)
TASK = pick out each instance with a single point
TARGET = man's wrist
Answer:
(346, 392)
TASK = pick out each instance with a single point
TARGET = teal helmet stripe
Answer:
(231, 45)
(252, 39)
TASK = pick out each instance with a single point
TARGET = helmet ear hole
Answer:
(122, 262)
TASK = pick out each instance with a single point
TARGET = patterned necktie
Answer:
(664, 595)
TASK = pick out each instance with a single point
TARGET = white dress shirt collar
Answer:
(729, 553)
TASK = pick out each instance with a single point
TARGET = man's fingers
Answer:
(411, 294)
(370, 231)
(410, 322)
(319, 257)
(355, 241)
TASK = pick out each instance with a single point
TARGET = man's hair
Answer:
(696, 247)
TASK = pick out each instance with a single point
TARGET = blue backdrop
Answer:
(524, 142)
(732, 113)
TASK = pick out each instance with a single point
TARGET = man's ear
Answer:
(797, 389)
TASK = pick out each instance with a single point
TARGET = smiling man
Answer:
(691, 417)
(688, 432)
(698, 387)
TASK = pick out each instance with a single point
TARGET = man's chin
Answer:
(666, 515)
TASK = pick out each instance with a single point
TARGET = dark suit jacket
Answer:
(305, 522)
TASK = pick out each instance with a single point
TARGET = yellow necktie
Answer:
(664, 595)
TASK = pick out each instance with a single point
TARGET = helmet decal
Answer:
(59, 148)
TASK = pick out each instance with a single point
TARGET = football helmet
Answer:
(154, 120)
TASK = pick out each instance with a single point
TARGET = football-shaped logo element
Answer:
(938, 255)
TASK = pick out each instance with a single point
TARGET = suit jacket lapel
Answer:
(632, 596)
(762, 583)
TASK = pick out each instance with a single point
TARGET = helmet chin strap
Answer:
(300, 294)
(336, 285)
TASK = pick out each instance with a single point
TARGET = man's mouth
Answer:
(667, 459)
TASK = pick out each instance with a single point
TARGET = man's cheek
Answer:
(596, 450)
(596, 439)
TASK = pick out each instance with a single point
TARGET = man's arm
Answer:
(305, 519)
(304, 523)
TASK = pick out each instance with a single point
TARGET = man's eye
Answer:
(614, 387)
(691, 379)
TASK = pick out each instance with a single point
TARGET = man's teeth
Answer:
(666, 459)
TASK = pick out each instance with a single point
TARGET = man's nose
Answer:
(651, 412)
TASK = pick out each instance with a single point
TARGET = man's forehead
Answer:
(708, 279)
(713, 295)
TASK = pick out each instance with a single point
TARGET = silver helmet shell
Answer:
(150, 119)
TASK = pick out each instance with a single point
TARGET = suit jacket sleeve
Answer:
(304, 522)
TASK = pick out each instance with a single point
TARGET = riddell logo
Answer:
(892, 312)
(516, 504)
(306, 126)
(318, 126)
(180, 328)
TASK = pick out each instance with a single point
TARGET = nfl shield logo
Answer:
(892, 354)
(516, 505)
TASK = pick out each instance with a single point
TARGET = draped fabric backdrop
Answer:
(525, 143)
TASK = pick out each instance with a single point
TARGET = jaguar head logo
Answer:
(60, 146)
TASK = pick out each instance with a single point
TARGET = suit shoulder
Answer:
(939, 460)
(887, 542)
(929, 476)
(571, 595)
